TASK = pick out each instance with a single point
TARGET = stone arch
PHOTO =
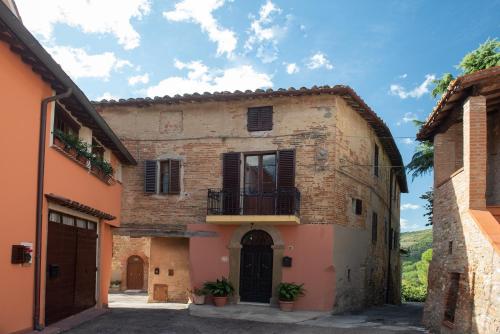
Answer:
(235, 255)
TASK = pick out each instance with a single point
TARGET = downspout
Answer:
(39, 202)
(389, 244)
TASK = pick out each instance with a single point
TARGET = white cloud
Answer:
(91, 16)
(292, 68)
(202, 79)
(200, 12)
(403, 76)
(106, 96)
(79, 64)
(409, 117)
(134, 80)
(408, 141)
(406, 226)
(416, 92)
(409, 206)
(319, 60)
(264, 34)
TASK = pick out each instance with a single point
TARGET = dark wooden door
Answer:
(135, 273)
(260, 184)
(256, 267)
(71, 267)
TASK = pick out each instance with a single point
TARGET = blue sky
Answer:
(388, 51)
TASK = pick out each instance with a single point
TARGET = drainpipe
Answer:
(387, 290)
(39, 202)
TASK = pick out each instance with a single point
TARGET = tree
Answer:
(429, 206)
(485, 56)
(422, 160)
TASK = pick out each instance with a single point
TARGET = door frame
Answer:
(235, 258)
(260, 191)
(126, 271)
(67, 211)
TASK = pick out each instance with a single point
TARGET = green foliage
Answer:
(422, 161)
(429, 206)
(220, 288)
(416, 264)
(83, 149)
(413, 293)
(485, 56)
(290, 291)
(199, 291)
(441, 84)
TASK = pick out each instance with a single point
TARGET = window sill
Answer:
(83, 162)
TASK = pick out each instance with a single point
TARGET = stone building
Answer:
(260, 187)
(464, 275)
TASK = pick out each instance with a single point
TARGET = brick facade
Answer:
(334, 163)
(460, 245)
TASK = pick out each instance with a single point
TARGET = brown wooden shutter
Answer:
(260, 118)
(231, 171)
(286, 169)
(175, 177)
(231, 183)
(150, 176)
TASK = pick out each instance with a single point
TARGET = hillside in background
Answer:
(415, 243)
(418, 246)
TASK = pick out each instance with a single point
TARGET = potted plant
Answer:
(198, 296)
(220, 290)
(288, 293)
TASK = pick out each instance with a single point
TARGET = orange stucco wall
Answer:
(312, 261)
(21, 93)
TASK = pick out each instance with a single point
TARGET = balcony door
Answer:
(260, 184)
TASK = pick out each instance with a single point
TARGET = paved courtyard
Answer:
(130, 314)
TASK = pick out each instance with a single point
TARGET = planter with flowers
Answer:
(198, 296)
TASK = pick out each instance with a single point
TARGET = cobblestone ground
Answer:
(160, 321)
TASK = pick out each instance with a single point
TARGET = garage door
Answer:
(71, 266)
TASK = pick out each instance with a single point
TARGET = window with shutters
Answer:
(260, 118)
(452, 297)
(162, 176)
(376, 161)
(374, 227)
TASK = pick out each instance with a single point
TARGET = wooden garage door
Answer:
(71, 266)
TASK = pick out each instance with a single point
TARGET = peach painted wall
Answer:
(21, 93)
(310, 246)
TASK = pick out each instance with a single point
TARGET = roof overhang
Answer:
(77, 206)
(22, 42)
(449, 108)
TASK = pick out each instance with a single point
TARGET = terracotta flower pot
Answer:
(220, 301)
(198, 300)
(286, 306)
(58, 142)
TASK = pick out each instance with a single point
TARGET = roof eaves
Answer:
(18, 29)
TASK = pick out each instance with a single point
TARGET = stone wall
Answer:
(334, 164)
(123, 248)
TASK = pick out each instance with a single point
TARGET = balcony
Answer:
(235, 206)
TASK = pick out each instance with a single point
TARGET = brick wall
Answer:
(459, 245)
(334, 157)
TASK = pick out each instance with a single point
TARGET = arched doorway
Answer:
(256, 267)
(135, 273)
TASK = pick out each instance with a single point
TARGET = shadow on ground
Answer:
(386, 319)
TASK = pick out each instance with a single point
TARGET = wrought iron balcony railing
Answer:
(283, 201)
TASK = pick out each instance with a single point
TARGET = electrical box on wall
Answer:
(22, 254)
(287, 261)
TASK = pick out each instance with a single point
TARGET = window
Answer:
(452, 297)
(357, 206)
(66, 219)
(374, 227)
(97, 149)
(162, 176)
(396, 240)
(450, 247)
(64, 122)
(260, 119)
(375, 161)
